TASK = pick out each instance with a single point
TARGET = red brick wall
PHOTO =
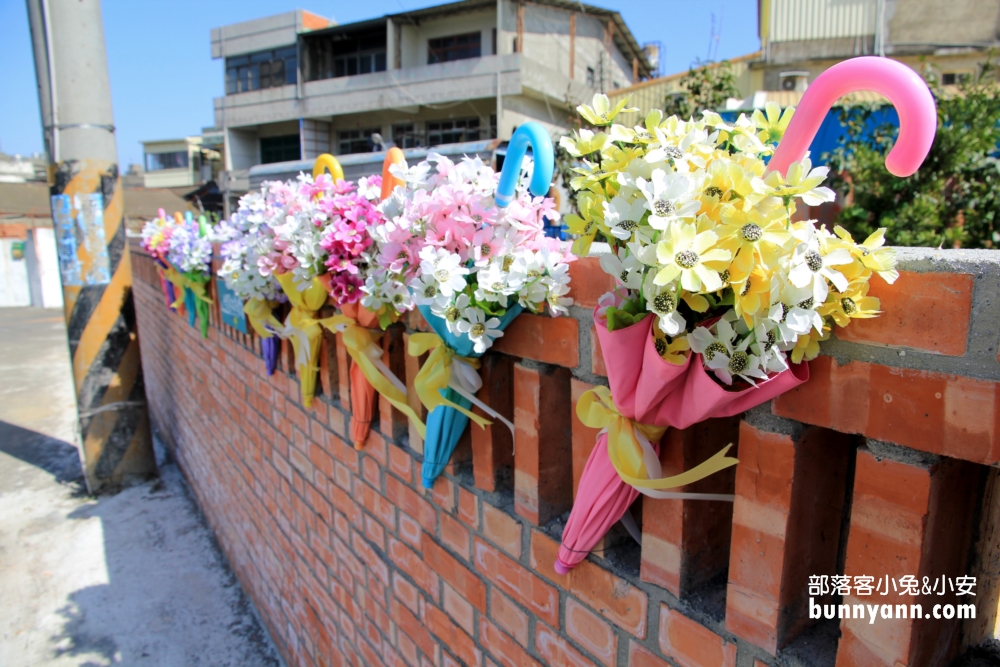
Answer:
(870, 468)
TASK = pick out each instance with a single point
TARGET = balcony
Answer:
(473, 78)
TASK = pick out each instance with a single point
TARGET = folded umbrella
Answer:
(362, 391)
(647, 395)
(445, 424)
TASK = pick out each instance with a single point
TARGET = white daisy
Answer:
(481, 331)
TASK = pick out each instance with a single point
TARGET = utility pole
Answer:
(87, 211)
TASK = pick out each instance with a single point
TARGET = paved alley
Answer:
(130, 579)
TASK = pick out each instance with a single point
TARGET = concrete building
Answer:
(802, 38)
(181, 163)
(298, 86)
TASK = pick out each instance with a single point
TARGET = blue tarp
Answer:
(828, 137)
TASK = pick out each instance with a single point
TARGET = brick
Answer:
(452, 637)
(412, 367)
(468, 508)
(542, 481)
(411, 502)
(406, 593)
(518, 582)
(938, 413)
(906, 519)
(413, 628)
(458, 608)
(789, 495)
(552, 340)
(557, 650)
(507, 652)
(921, 311)
(597, 365)
(401, 464)
(509, 616)
(584, 437)
(455, 536)
(613, 597)
(588, 282)
(392, 423)
(691, 644)
(685, 543)
(639, 656)
(462, 579)
(589, 631)
(443, 493)
(410, 562)
(410, 531)
(502, 529)
(493, 446)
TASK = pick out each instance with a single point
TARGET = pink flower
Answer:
(345, 288)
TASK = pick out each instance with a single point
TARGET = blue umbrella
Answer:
(269, 349)
(191, 305)
(444, 424)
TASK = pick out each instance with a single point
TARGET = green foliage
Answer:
(954, 198)
(707, 86)
(631, 312)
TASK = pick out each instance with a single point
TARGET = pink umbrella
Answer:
(651, 392)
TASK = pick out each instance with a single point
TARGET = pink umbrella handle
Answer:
(892, 79)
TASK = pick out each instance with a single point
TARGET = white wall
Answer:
(14, 289)
(242, 151)
(43, 268)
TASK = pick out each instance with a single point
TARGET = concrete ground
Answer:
(131, 579)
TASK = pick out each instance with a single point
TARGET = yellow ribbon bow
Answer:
(260, 314)
(597, 409)
(303, 328)
(358, 340)
(182, 280)
(435, 375)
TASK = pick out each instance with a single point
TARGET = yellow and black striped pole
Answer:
(88, 213)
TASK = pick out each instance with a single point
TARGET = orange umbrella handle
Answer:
(327, 162)
(389, 182)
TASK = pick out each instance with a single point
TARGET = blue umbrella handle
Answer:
(534, 135)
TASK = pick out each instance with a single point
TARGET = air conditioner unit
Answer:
(794, 81)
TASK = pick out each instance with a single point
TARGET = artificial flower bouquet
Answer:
(470, 265)
(244, 239)
(722, 293)
(155, 235)
(185, 249)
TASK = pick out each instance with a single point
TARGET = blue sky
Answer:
(163, 78)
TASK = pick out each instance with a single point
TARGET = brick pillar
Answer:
(413, 365)
(790, 488)
(685, 543)
(543, 482)
(912, 514)
(493, 447)
(392, 422)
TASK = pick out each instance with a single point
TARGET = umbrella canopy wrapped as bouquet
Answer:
(184, 249)
(722, 295)
(467, 248)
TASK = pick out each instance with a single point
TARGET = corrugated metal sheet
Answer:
(793, 20)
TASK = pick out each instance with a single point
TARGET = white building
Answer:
(298, 86)
(179, 163)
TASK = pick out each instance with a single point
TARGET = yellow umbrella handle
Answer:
(327, 162)
(389, 182)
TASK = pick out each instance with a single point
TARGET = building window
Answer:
(264, 69)
(356, 141)
(493, 126)
(456, 47)
(955, 78)
(405, 136)
(280, 149)
(333, 55)
(452, 131)
(590, 77)
(158, 161)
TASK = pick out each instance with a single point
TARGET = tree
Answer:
(706, 86)
(954, 198)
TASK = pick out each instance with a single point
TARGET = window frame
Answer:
(448, 48)
(354, 137)
(270, 68)
(183, 163)
(286, 153)
(436, 132)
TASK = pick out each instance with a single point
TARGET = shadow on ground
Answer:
(56, 457)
